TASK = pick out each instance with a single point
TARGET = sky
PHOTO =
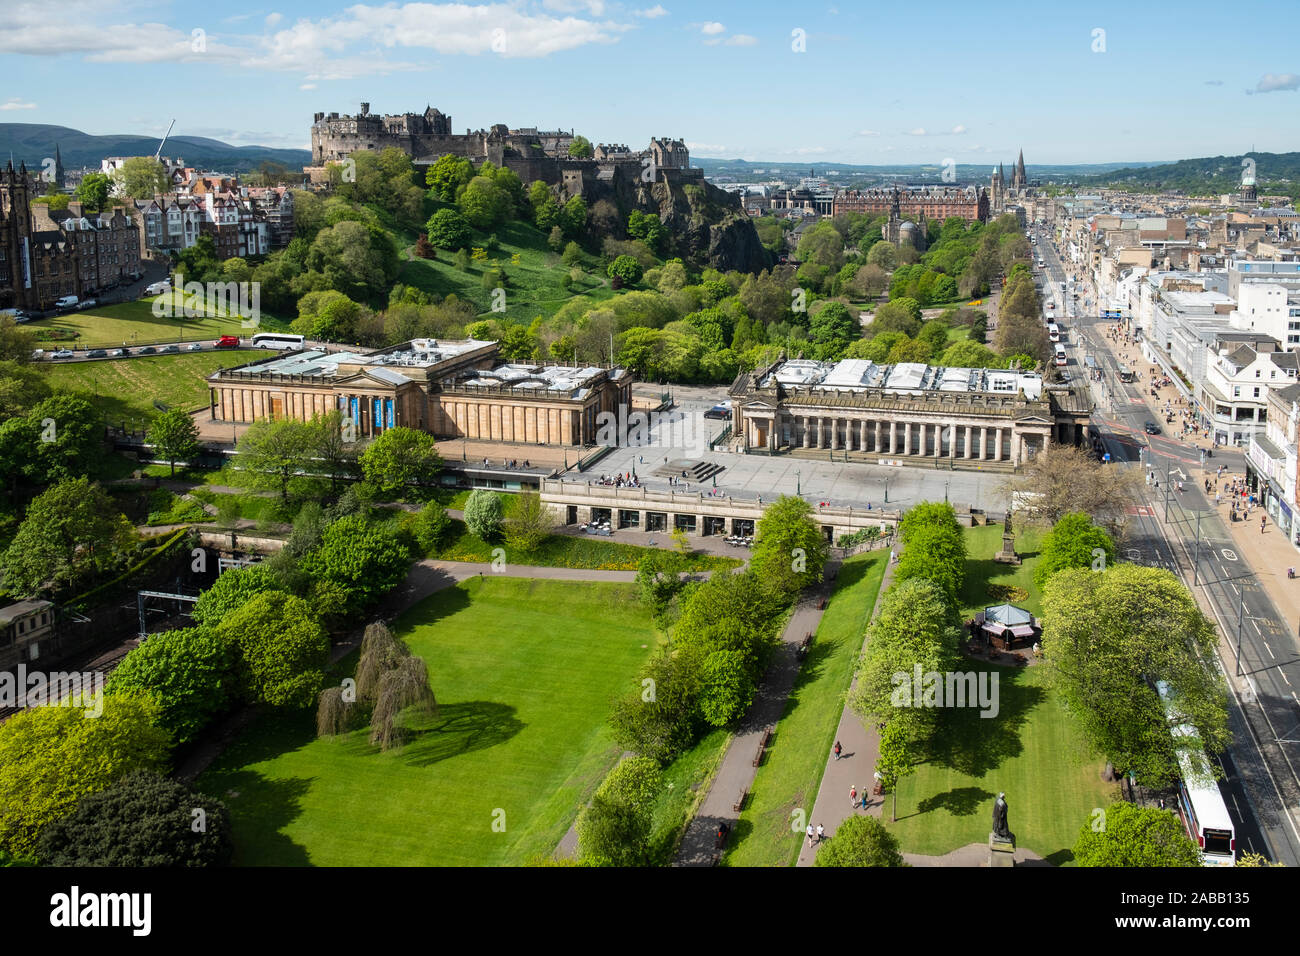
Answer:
(810, 83)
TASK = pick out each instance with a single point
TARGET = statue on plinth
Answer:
(1000, 829)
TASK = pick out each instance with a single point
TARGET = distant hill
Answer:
(32, 142)
(1274, 172)
(917, 172)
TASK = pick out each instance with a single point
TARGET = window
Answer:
(1257, 392)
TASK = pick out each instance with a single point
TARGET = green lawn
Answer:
(1031, 749)
(124, 390)
(524, 672)
(792, 771)
(533, 287)
(568, 551)
(134, 323)
(686, 781)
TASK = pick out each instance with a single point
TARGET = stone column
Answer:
(835, 433)
(907, 438)
(997, 449)
(893, 436)
(771, 435)
(938, 440)
(817, 432)
(968, 450)
(984, 443)
(878, 445)
(863, 442)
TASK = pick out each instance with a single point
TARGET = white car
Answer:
(196, 347)
(63, 353)
(116, 353)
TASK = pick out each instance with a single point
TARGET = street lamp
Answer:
(798, 487)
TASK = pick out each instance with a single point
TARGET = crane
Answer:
(164, 140)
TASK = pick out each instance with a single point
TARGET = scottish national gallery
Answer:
(904, 411)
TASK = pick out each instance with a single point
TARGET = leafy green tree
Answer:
(483, 514)
(399, 458)
(615, 829)
(529, 523)
(282, 650)
(1074, 542)
(898, 315)
(969, 354)
(272, 452)
(93, 191)
(884, 255)
(625, 268)
(446, 177)
(658, 577)
(367, 558)
(430, 527)
(861, 841)
(660, 718)
(484, 203)
(1108, 638)
(70, 528)
(232, 590)
(555, 239)
(581, 148)
(174, 437)
(572, 255)
(574, 218)
(448, 229)
(52, 756)
(187, 671)
(833, 328)
(935, 334)
(69, 436)
(141, 177)
(789, 550)
(144, 820)
(22, 388)
(1134, 836)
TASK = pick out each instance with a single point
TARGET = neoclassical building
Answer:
(905, 411)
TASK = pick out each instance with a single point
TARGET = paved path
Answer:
(860, 748)
(737, 770)
(974, 854)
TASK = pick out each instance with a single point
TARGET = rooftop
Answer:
(852, 374)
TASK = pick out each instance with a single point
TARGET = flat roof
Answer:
(854, 374)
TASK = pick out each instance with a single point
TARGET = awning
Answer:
(1022, 630)
(995, 629)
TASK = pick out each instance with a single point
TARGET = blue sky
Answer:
(878, 83)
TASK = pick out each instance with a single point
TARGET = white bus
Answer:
(277, 340)
(1053, 332)
(1200, 803)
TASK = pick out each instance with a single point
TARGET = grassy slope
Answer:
(111, 325)
(524, 672)
(792, 771)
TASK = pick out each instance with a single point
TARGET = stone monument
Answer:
(1008, 553)
(1002, 842)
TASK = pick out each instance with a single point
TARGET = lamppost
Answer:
(886, 491)
(798, 487)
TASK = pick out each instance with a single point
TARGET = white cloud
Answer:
(706, 147)
(958, 129)
(919, 131)
(272, 19)
(868, 132)
(741, 39)
(307, 86)
(1273, 82)
(805, 151)
(651, 13)
(712, 27)
(16, 104)
(595, 7)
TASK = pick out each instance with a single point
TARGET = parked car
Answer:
(38, 354)
(97, 353)
(116, 353)
(63, 353)
(147, 350)
(66, 302)
(87, 304)
(169, 349)
(158, 288)
(196, 346)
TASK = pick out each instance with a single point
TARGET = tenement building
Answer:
(931, 202)
(905, 411)
(450, 389)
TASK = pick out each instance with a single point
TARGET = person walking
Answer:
(1263, 521)
(821, 833)
(837, 749)
(853, 796)
(810, 832)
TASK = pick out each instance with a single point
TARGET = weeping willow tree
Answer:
(389, 681)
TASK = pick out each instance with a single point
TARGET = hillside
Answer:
(33, 142)
(1274, 172)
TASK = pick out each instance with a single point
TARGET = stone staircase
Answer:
(696, 471)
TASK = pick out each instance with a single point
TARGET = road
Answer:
(1261, 786)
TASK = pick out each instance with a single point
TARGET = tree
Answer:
(448, 229)
(484, 203)
(1062, 479)
(898, 315)
(144, 820)
(52, 756)
(483, 514)
(530, 522)
(1108, 638)
(399, 458)
(232, 590)
(789, 550)
(22, 388)
(861, 841)
(69, 528)
(969, 354)
(366, 558)
(574, 218)
(174, 437)
(884, 255)
(187, 671)
(1134, 836)
(626, 269)
(70, 435)
(555, 239)
(271, 452)
(141, 177)
(581, 148)
(281, 647)
(1074, 542)
(615, 829)
(447, 176)
(659, 719)
(572, 255)
(430, 527)
(658, 579)
(833, 328)
(93, 191)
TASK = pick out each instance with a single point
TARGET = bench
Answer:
(762, 745)
(740, 800)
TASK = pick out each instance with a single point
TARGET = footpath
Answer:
(736, 772)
